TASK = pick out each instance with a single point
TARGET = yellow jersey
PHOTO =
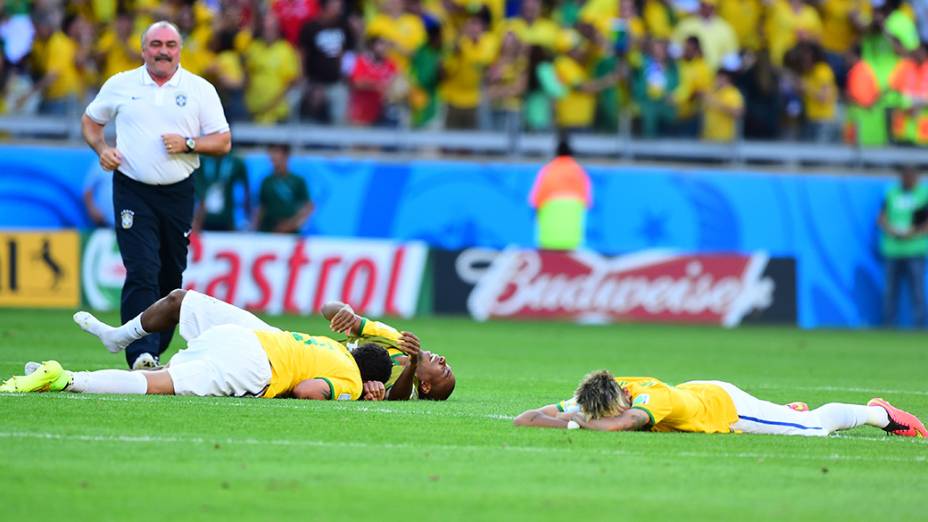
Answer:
(295, 357)
(388, 337)
(692, 406)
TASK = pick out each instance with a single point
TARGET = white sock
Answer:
(108, 381)
(878, 417)
(114, 339)
(836, 416)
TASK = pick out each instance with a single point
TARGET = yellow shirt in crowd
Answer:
(657, 19)
(695, 78)
(716, 37)
(717, 124)
(744, 17)
(271, 69)
(838, 31)
(542, 31)
(60, 56)
(464, 71)
(577, 108)
(784, 25)
(700, 407)
(405, 33)
(116, 58)
(296, 357)
(819, 78)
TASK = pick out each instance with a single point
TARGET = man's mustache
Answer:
(162, 57)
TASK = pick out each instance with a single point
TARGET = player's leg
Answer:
(200, 312)
(764, 417)
(50, 376)
(226, 360)
(163, 315)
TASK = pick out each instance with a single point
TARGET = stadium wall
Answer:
(824, 222)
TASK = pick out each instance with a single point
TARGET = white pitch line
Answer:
(127, 439)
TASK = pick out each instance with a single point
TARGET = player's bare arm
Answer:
(545, 417)
(402, 388)
(629, 420)
(312, 390)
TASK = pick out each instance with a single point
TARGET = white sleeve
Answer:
(103, 107)
(569, 406)
(212, 117)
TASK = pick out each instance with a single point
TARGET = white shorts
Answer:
(200, 312)
(225, 361)
(764, 417)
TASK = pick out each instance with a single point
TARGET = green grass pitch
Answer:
(78, 457)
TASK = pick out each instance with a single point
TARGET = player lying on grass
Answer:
(606, 403)
(423, 375)
(424, 372)
(230, 352)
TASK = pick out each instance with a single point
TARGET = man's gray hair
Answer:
(159, 25)
(600, 396)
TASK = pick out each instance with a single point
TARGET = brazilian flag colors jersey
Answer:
(692, 406)
(295, 357)
(387, 336)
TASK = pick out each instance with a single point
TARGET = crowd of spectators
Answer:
(816, 70)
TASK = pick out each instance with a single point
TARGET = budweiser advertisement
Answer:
(650, 286)
(277, 273)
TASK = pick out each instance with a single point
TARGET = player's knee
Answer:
(176, 297)
(525, 418)
(159, 383)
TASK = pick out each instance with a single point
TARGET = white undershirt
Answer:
(187, 105)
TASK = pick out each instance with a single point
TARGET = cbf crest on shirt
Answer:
(186, 105)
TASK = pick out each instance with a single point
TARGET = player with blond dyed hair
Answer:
(603, 402)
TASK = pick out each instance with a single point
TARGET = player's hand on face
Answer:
(409, 344)
(344, 320)
(110, 158)
(374, 391)
(174, 143)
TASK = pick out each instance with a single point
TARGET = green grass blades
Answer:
(80, 457)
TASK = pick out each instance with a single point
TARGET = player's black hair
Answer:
(373, 361)
(439, 392)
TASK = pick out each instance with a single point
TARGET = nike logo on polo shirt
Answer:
(135, 97)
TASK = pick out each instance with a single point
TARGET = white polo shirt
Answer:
(187, 105)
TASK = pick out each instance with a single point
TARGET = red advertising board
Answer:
(277, 273)
(653, 286)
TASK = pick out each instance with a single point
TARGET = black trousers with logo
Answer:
(152, 228)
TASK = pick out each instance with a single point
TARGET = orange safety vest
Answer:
(910, 79)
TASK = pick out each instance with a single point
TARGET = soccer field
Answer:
(80, 457)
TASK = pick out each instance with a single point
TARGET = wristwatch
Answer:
(191, 144)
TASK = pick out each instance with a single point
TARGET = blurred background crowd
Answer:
(819, 71)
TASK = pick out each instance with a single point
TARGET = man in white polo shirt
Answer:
(165, 117)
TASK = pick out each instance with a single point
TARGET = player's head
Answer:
(600, 396)
(908, 175)
(436, 380)
(373, 361)
(161, 44)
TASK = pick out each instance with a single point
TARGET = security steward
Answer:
(165, 117)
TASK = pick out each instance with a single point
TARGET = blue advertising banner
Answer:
(825, 222)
